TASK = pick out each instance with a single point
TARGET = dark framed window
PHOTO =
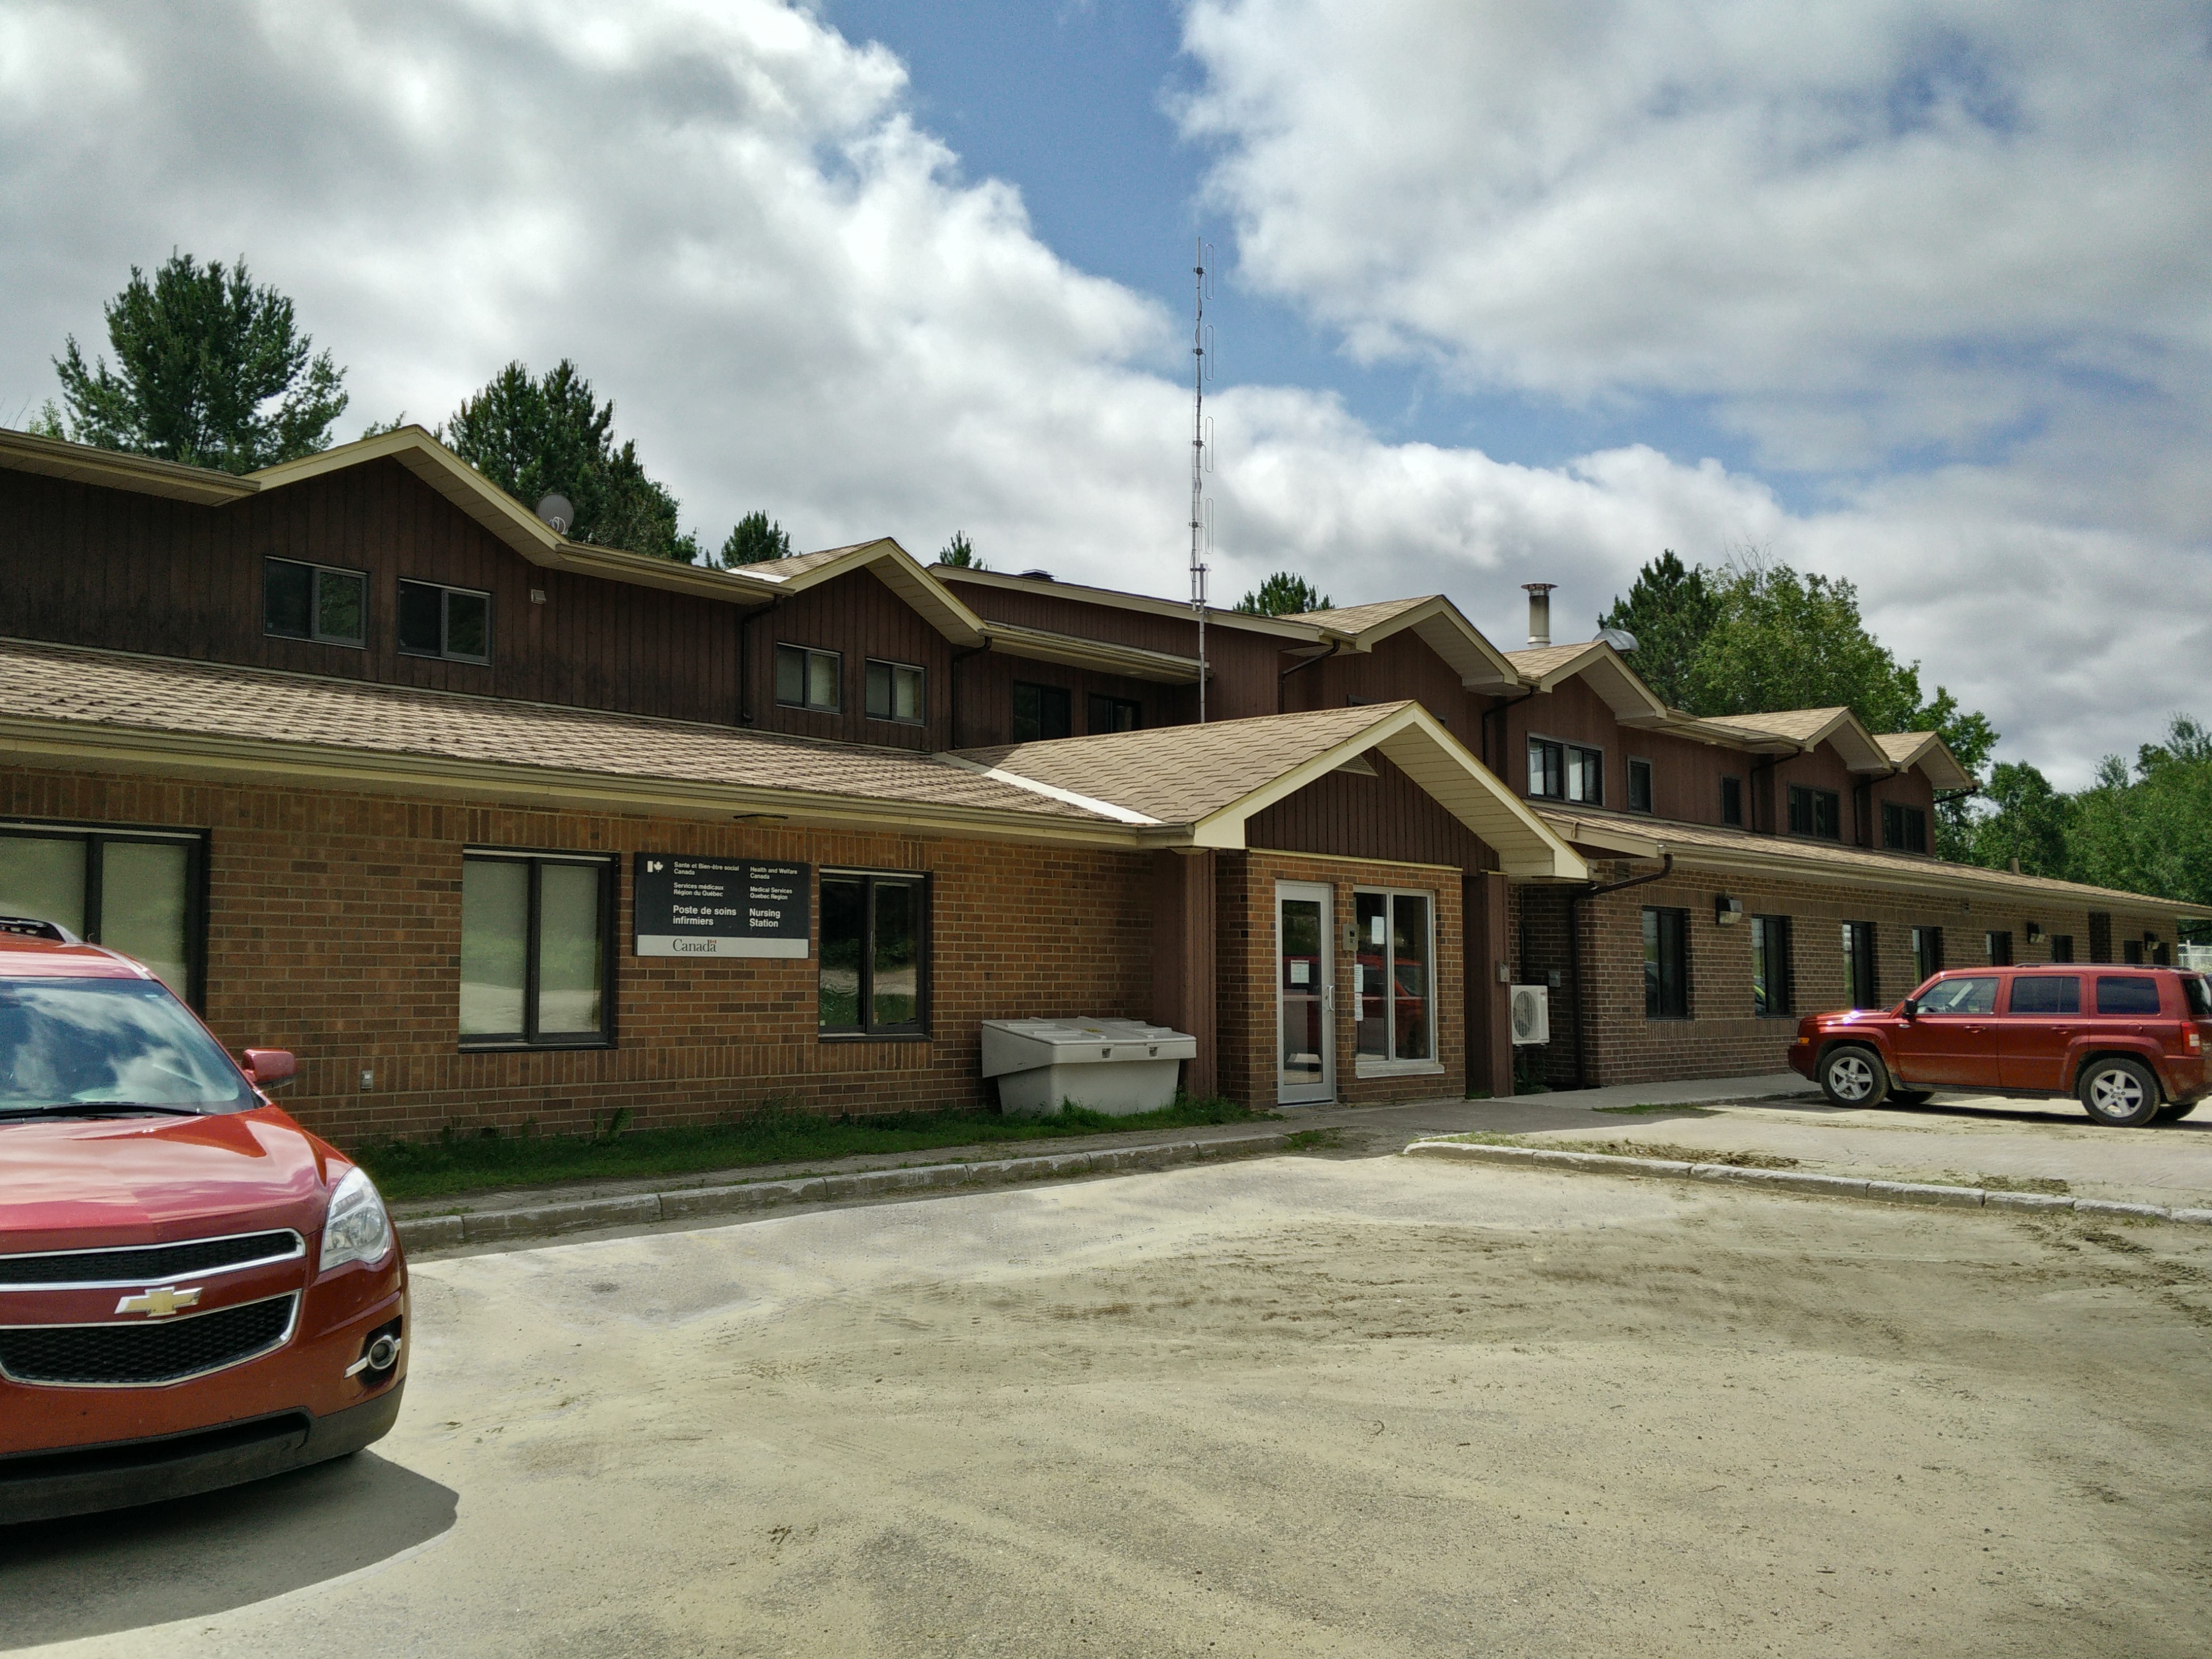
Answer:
(318, 602)
(139, 892)
(2129, 994)
(1666, 964)
(2131, 951)
(1927, 953)
(897, 691)
(1042, 713)
(1815, 813)
(1770, 965)
(452, 623)
(1732, 801)
(1639, 786)
(1904, 828)
(1999, 946)
(1566, 771)
(2062, 947)
(1116, 713)
(1860, 985)
(875, 955)
(807, 678)
(2046, 993)
(537, 949)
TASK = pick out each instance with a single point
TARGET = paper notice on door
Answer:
(1302, 973)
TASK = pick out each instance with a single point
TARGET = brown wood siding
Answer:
(856, 616)
(986, 696)
(1386, 816)
(1403, 665)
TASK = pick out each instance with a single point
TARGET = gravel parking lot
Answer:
(1377, 1405)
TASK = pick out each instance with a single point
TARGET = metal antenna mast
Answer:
(1200, 463)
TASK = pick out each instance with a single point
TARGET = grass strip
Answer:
(461, 1162)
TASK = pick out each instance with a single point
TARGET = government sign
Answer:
(689, 906)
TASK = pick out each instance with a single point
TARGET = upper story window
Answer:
(1041, 713)
(806, 679)
(1116, 713)
(1639, 786)
(317, 602)
(1732, 801)
(1815, 813)
(897, 691)
(1566, 771)
(1904, 828)
(453, 623)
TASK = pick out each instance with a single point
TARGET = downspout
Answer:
(1768, 765)
(1509, 703)
(1336, 646)
(1575, 954)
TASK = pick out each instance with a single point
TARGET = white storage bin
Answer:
(1115, 1065)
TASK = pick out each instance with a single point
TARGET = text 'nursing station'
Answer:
(689, 906)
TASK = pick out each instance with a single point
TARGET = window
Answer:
(454, 622)
(810, 679)
(1815, 813)
(313, 602)
(2000, 949)
(1042, 713)
(2131, 952)
(1769, 964)
(2046, 993)
(1732, 801)
(136, 891)
(1639, 786)
(1977, 994)
(1927, 953)
(1666, 964)
(1566, 771)
(2062, 947)
(1116, 713)
(875, 955)
(2134, 994)
(537, 937)
(896, 691)
(1397, 989)
(1904, 828)
(1858, 962)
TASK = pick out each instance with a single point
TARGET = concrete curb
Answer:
(445, 1232)
(1798, 1180)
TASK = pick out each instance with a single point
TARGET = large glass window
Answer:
(535, 951)
(1566, 771)
(875, 955)
(1396, 1020)
(1116, 713)
(317, 602)
(1666, 964)
(1998, 943)
(1042, 713)
(1816, 812)
(1770, 965)
(897, 691)
(1904, 828)
(807, 678)
(1859, 985)
(134, 892)
(453, 623)
(1926, 954)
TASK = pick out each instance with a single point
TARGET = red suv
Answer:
(2128, 1042)
(194, 1290)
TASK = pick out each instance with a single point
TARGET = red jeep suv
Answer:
(2128, 1042)
(194, 1290)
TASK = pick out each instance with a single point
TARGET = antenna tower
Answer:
(1202, 462)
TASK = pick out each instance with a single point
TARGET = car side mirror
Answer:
(1909, 1007)
(268, 1067)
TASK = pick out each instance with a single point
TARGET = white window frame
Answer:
(1389, 1064)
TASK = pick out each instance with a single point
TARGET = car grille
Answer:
(146, 1264)
(162, 1351)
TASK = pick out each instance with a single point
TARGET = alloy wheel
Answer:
(1851, 1076)
(2115, 1093)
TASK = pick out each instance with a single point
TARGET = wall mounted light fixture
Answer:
(1727, 912)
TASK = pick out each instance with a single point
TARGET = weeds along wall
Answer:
(333, 929)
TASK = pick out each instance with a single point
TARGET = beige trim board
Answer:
(55, 458)
(1285, 628)
(1133, 662)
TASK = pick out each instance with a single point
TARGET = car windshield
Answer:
(92, 1042)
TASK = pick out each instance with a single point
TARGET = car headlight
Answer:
(356, 1229)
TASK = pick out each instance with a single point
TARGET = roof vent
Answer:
(1619, 638)
(1036, 576)
(1539, 611)
(557, 511)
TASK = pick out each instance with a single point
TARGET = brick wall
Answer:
(334, 931)
(1244, 943)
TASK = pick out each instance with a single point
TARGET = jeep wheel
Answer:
(1908, 1096)
(2173, 1112)
(1854, 1077)
(2119, 1093)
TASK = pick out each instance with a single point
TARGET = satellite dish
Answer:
(557, 511)
(1619, 638)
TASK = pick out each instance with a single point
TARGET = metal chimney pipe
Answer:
(1539, 611)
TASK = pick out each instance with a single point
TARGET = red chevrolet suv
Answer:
(194, 1290)
(2128, 1042)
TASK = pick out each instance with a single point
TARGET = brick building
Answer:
(371, 764)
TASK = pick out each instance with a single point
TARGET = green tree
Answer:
(1284, 594)
(551, 435)
(2150, 833)
(756, 538)
(1670, 609)
(961, 551)
(2026, 819)
(210, 369)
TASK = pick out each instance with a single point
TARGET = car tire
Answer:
(1854, 1077)
(2173, 1112)
(2119, 1092)
(1908, 1096)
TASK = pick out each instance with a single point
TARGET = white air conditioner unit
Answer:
(1531, 1014)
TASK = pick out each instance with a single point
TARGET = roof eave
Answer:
(56, 458)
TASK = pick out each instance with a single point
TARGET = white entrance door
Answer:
(1306, 995)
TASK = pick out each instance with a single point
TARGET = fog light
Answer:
(381, 1354)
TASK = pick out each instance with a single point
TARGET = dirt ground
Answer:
(1296, 1405)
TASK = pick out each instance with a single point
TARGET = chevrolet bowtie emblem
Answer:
(159, 1303)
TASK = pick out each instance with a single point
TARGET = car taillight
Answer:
(2194, 1037)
